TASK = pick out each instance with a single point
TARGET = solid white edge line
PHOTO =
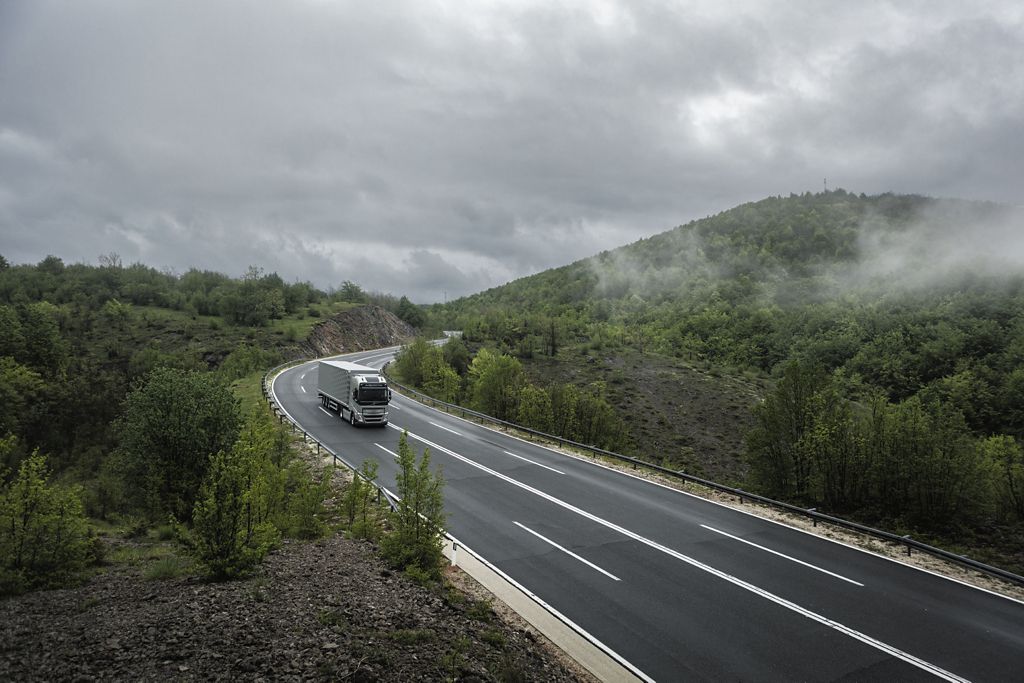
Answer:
(594, 463)
(445, 428)
(534, 462)
(891, 650)
(783, 555)
(561, 617)
(581, 459)
(567, 551)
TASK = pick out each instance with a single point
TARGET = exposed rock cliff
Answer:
(366, 327)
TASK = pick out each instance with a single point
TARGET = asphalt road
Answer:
(681, 587)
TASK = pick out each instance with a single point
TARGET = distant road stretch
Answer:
(681, 587)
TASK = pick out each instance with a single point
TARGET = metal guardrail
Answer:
(268, 395)
(592, 654)
(906, 541)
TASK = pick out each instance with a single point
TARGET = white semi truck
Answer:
(357, 393)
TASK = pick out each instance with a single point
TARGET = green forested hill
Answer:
(902, 293)
(885, 334)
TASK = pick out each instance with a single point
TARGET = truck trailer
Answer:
(355, 392)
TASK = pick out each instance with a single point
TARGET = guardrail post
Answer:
(813, 518)
(908, 545)
(455, 554)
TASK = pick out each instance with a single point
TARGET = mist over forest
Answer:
(895, 316)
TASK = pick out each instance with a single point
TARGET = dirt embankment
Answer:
(366, 327)
(329, 610)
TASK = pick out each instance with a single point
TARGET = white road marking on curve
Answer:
(386, 450)
(776, 552)
(567, 551)
(891, 650)
(445, 429)
(533, 462)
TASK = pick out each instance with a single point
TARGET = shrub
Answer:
(230, 532)
(415, 540)
(44, 536)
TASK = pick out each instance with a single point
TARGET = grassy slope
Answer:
(679, 415)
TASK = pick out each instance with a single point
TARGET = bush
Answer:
(415, 540)
(230, 533)
(44, 537)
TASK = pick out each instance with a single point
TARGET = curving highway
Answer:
(681, 587)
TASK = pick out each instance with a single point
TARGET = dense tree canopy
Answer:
(172, 424)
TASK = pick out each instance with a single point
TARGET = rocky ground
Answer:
(366, 327)
(328, 610)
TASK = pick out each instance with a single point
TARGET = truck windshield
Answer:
(371, 394)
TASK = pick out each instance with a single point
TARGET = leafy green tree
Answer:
(411, 313)
(411, 361)
(357, 502)
(21, 390)
(416, 537)
(1006, 457)
(231, 529)
(834, 445)
(247, 359)
(535, 408)
(351, 292)
(171, 424)
(45, 349)
(496, 380)
(456, 355)
(595, 421)
(12, 341)
(564, 398)
(779, 465)
(44, 536)
(439, 379)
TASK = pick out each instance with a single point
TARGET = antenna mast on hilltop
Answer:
(826, 183)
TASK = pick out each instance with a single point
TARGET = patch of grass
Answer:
(139, 554)
(249, 392)
(258, 589)
(493, 636)
(88, 604)
(453, 661)
(480, 610)
(412, 636)
(300, 326)
(169, 567)
(333, 618)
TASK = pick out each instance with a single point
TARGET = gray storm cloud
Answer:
(462, 145)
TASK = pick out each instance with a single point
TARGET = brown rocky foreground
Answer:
(327, 610)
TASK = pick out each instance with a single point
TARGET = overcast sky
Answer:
(433, 148)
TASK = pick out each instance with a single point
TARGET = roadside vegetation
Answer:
(119, 423)
(896, 318)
